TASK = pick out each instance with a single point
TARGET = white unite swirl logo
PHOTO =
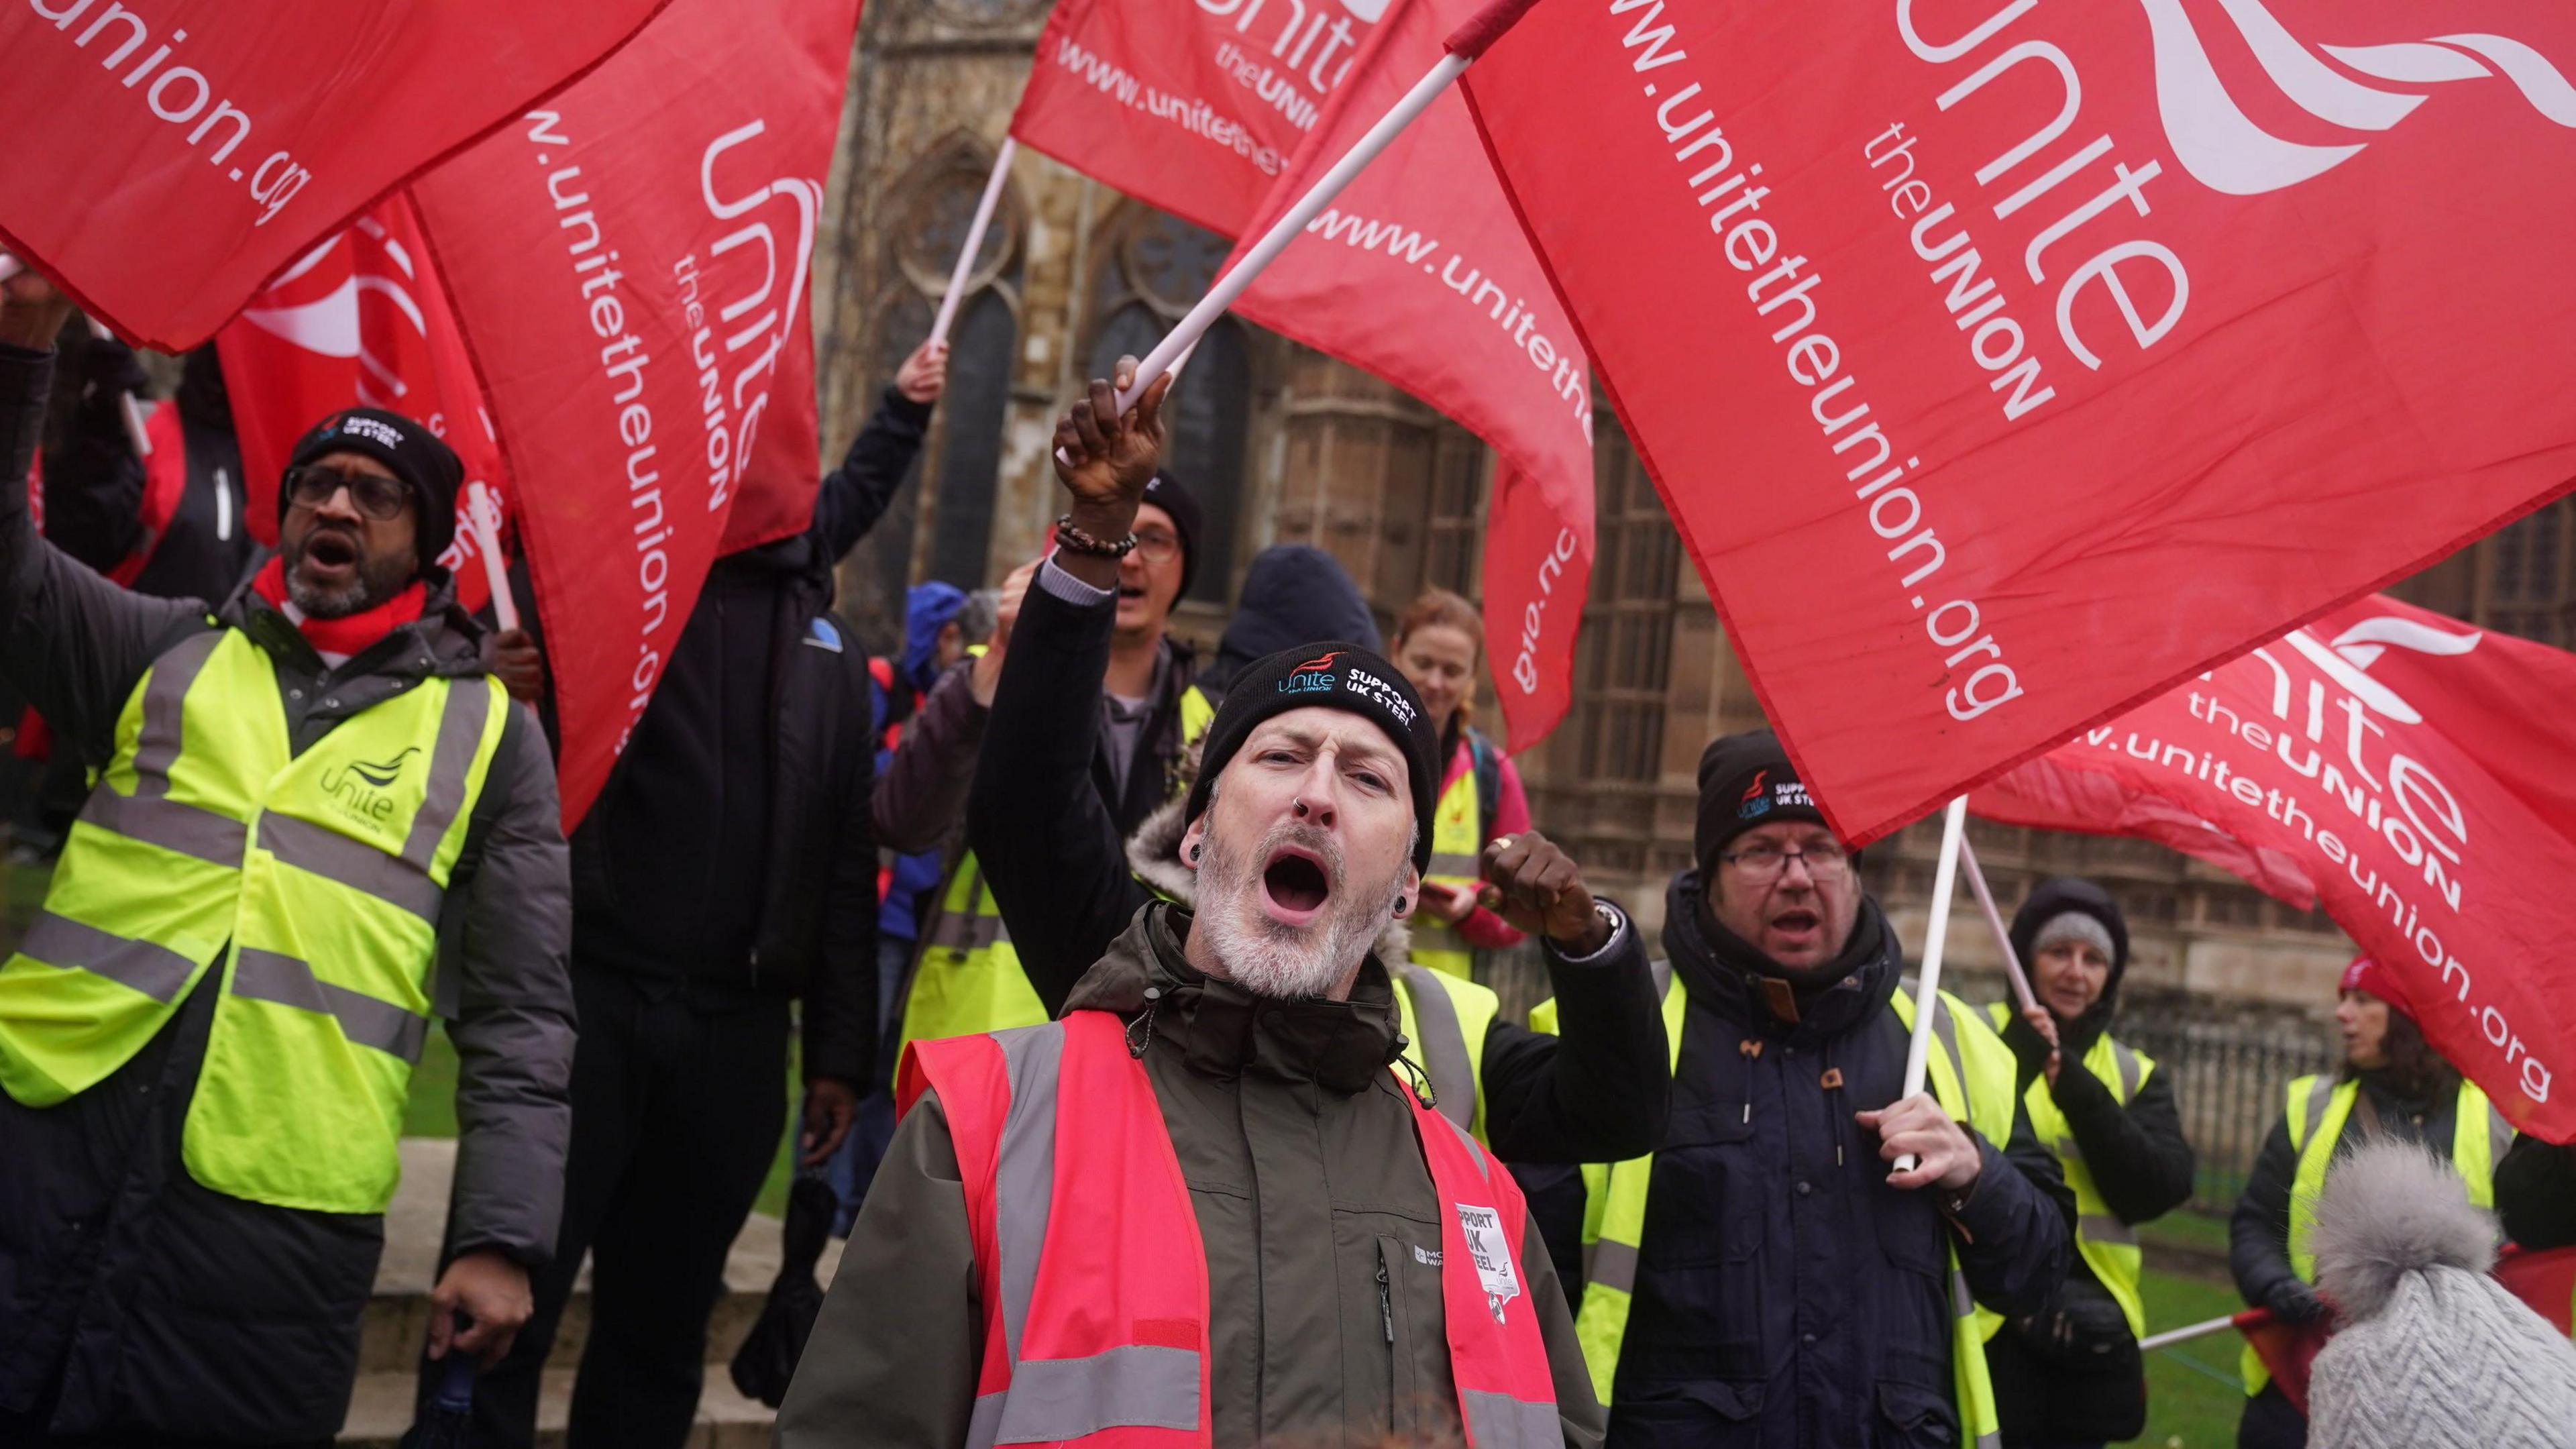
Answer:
(2226, 151)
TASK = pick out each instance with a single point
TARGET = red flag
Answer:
(358, 321)
(1194, 108)
(165, 157)
(2378, 762)
(2288, 1353)
(2546, 1281)
(2004, 365)
(1418, 273)
(629, 264)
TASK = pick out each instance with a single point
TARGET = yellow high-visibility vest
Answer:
(1971, 1073)
(2108, 1245)
(1457, 840)
(312, 882)
(2317, 1112)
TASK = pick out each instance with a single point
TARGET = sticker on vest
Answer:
(1492, 1255)
(1427, 1257)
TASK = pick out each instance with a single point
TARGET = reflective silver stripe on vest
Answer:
(1499, 1421)
(2499, 1136)
(1024, 1170)
(171, 824)
(2320, 1092)
(155, 970)
(1611, 1264)
(1131, 1386)
(1444, 1045)
(1962, 1302)
(1135, 1386)
(353, 863)
(1455, 865)
(156, 744)
(1947, 1032)
(267, 976)
(1484, 1168)
(1661, 969)
(968, 929)
(963, 931)
(2101, 1228)
(2130, 1070)
(460, 734)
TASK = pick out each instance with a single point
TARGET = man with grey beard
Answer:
(1208, 1199)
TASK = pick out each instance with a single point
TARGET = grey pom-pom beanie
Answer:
(2432, 1353)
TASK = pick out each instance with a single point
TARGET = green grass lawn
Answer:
(2193, 1394)
(2197, 1232)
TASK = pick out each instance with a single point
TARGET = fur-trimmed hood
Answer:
(1154, 854)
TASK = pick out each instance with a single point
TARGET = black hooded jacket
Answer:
(2139, 1159)
(1785, 1294)
(733, 848)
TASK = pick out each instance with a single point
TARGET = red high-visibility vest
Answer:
(1095, 1329)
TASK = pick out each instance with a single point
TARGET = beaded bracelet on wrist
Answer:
(1072, 538)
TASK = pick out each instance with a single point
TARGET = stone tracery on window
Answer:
(1153, 267)
(939, 525)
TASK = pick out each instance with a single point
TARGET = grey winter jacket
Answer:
(179, 1307)
(1316, 1215)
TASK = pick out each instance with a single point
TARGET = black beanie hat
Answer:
(1329, 675)
(1166, 493)
(427, 466)
(1745, 780)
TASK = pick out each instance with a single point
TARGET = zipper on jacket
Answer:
(1385, 1295)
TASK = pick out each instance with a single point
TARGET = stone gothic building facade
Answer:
(1284, 445)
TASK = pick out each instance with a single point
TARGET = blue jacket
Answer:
(1785, 1294)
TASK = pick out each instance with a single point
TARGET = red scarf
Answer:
(351, 634)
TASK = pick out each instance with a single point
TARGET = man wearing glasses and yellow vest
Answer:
(1764, 1277)
(315, 821)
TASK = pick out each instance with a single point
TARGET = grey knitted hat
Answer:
(2075, 926)
(2433, 1353)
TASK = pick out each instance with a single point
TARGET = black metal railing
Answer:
(2229, 1077)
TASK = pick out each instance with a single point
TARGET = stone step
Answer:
(381, 1411)
(397, 1318)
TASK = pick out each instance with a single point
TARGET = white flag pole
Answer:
(974, 240)
(1945, 884)
(2171, 1337)
(1186, 335)
(481, 515)
(1995, 922)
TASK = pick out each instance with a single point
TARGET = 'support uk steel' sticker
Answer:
(1492, 1254)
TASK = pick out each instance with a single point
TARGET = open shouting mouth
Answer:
(330, 556)
(1796, 927)
(1295, 884)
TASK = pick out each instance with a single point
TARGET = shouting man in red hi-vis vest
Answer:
(1209, 1205)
